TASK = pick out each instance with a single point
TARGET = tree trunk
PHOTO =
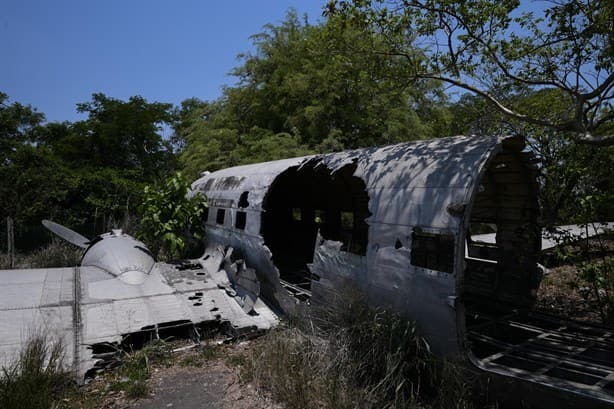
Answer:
(10, 241)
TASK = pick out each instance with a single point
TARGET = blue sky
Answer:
(57, 53)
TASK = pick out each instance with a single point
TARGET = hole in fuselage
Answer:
(503, 238)
(307, 200)
(500, 283)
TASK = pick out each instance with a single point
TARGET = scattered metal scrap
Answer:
(570, 233)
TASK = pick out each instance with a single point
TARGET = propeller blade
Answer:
(69, 235)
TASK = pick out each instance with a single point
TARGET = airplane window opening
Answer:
(319, 216)
(297, 215)
(433, 251)
(304, 202)
(347, 220)
(206, 215)
(221, 214)
(243, 203)
(241, 220)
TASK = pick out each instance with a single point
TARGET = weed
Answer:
(55, 254)
(237, 360)
(137, 389)
(349, 355)
(595, 267)
(600, 276)
(38, 378)
(132, 376)
(204, 354)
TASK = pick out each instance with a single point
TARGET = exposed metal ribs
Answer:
(297, 290)
(547, 349)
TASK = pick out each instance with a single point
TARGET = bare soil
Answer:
(216, 385)
(197, 378)
(564, 294)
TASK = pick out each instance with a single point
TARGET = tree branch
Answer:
(588, 139)
(487, 95)
(600, 89)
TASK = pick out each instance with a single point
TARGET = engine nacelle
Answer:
(121, 255)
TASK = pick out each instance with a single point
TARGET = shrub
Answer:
(132, 376)
(56, 254)
(168, 216)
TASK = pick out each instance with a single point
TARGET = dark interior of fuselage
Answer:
(307, 200)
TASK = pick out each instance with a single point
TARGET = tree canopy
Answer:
(373, 72)
(495, 48)
(297, 94)
(84, 172)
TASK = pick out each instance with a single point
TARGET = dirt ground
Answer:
(563, 294)
(215, 385)
(192, 379)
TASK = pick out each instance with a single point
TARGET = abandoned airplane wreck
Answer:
(397, 222)
(400, 223)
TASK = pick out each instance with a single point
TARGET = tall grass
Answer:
(37, 378)
(350, 355)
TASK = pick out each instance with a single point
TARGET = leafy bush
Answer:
(132, 376)
(600, 275)
(57, 254)
(168, 216)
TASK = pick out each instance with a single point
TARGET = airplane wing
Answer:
(90, 309)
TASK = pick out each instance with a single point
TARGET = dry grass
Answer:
(131, 377)
(38, 379)
(355, 357)
(56, 254)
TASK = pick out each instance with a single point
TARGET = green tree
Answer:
(17, 125)
(91, 172)
(111, 156)
(569, 172)
(126, 134)
(298, 82)
(491, 48)
(298, 94)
